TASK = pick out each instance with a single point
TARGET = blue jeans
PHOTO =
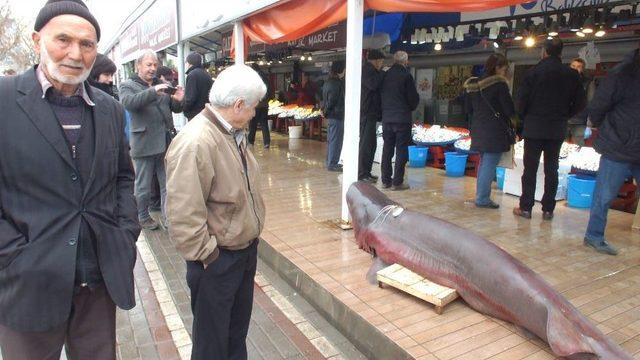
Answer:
(335, 135)
(611, 176)
(146, 167)
(486, 174)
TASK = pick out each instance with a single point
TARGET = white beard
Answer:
(54, 71)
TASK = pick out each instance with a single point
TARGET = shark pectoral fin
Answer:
(372, 274)
(563, 337)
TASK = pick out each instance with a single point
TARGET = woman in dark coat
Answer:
(490, 108)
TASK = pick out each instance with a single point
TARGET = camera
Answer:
(169, 90)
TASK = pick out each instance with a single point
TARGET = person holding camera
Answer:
(150, 103)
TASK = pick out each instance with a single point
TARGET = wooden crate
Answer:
(406, 280)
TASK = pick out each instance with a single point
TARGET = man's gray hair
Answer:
(400, 57)
(237, 82)
(145, 54)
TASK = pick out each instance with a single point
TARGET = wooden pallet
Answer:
(406, 280)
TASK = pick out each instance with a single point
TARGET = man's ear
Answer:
(238, 105)
(36, 37)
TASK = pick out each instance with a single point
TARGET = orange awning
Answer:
(297, 18)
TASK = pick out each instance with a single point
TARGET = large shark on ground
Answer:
(489, 279)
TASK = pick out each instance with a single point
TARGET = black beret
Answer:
(55, 8)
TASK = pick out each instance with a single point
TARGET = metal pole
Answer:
(180, 46)
(238, 38)
(350, 146)
(181, 60)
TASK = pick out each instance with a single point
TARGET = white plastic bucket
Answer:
(295, 132)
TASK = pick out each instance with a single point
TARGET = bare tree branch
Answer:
(15, 40)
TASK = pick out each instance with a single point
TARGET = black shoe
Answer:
(335, 169)
(386, 186)
(602, 247)
(149, 224)
(489, 205)
(373, 176)
(368, 179)
(547, 215)
(401, 187)
(522, 213)
(266, 146)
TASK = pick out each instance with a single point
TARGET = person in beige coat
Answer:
(215, 213)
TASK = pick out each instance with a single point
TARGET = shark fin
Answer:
(563, 336)
(566, 339)
(377, 265)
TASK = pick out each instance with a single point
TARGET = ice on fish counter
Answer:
(566, 150)
(585, 159)
(435, 134)
(463, 144)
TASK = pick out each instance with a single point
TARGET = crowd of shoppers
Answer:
(86, 214)
(552, 105)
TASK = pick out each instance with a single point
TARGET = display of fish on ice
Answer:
(489, 279)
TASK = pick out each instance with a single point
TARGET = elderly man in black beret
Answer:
(68, 220)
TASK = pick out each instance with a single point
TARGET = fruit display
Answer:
(435, 134)
(275, 107)
(306, 114)
(293, 111)
(585, 159)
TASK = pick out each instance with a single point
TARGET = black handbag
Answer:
(507, 160)
(511, 132)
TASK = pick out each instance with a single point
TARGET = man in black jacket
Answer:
(197, 87)
(614, 111)
(550, 94)
(370, 113)
(67, 213)
(333, 109)
(399, 99)
(262, 113)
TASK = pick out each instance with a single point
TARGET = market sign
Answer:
(199, 16)
(533, 7)
(155, 29)
(333, 37)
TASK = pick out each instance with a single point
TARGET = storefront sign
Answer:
(199, 16)
(333, 37)
(533, 7)
(155, 29)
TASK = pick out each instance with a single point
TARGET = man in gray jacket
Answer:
(150, 104)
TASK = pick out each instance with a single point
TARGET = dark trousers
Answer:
(533, 148)
(221, 302)
(262, 119)
(155, 203)
(368, 142)
(335, 137)
(396, 137)
(89, 333)
(146, 168)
